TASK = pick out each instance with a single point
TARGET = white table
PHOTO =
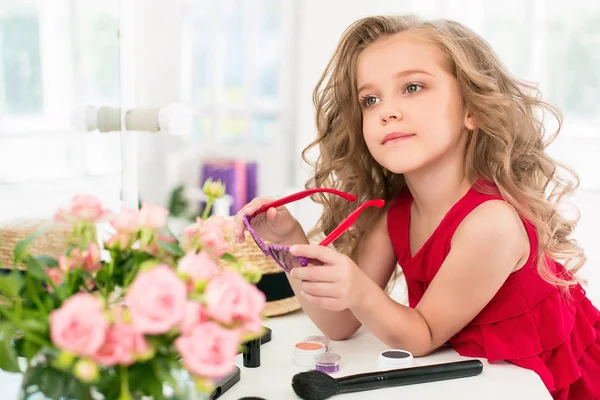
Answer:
(272, 380)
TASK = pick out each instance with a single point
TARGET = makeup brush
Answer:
(316, 385)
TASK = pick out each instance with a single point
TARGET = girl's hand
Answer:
(275, 225)
(335, 285)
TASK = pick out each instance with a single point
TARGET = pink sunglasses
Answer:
(281, 254)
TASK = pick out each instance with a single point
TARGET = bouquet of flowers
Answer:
(158, 316)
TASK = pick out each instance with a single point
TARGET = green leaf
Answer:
(171, 248)
(8, 355)
(11, 284)
(143, 379)
(35, 325)
(54, 384)
(20, 249)
(229, 257)
(109, 384)
(35, 269)
(30, 349)
(47, 260)
(162, 371)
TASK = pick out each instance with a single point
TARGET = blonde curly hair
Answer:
(507, 147)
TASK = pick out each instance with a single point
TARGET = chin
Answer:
(400, 165)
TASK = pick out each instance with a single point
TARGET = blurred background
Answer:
(224, 87)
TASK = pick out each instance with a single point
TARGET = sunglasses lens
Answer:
(284, 258)
(256, 239)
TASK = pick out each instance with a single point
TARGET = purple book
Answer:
(251, 180)
(233, 174)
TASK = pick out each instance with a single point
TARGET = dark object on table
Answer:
(252, 353)
(315, 385)
(226, 383)
(266, 337)
(251, 349)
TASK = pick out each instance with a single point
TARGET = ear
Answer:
(469, 122)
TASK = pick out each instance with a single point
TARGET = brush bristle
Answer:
(314, 385)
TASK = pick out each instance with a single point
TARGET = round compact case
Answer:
(305, 352)
(394, 359)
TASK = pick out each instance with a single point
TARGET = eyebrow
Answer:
(399, 75)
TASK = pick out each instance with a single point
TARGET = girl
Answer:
(424, 116)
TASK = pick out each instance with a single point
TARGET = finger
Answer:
(272, 216)
(249, 209)
(239, 225)
(322, 253)
(321, 289)
(315, 274)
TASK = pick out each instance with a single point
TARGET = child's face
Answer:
(413, 116)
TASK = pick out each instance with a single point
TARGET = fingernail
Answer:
(237, 233)
(293, 249)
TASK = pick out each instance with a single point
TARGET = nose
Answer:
(390, 114)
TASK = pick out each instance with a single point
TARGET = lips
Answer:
(396, 136)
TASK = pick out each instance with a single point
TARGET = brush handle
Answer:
(409, 376)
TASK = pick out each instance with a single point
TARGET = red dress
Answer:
(529, 322)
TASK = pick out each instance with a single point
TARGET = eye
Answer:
(369, 101)
(413, 88)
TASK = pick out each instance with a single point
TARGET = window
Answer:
(553, 45)
(21, 83)
(56, 56)
(572, 57)
(233, 55)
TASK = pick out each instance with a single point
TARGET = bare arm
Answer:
(375, 257)
(488, 245)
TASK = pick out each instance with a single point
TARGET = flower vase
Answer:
(43, 381)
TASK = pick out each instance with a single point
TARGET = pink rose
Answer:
(193, 229)
(199, 266)
(56, 275)
(67, 263)
(209, 349)
(193, 315)
(126, 221)
(215, 241)
(119, 241)
(153, 217)
(156, 300)
(84, 208)
(79, 325)
(229, 297)
(153, 248)
(253, 325)
(209, 235)
(123, 345)
(90, 258)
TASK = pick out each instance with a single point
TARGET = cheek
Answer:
(441, 126)
(370, 127)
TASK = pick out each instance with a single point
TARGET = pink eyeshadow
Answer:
(309, 346)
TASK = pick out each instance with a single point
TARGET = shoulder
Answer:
(376, 237)
(493, 226)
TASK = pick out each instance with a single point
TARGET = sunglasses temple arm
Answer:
(347, 223)
(300, 195)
